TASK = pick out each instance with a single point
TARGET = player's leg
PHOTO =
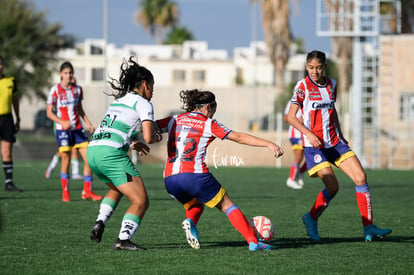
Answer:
(181, 188)
(193, 211)
(240, 223)
(6, 153)
(137, 194)
(74, 164)
(295, 166)
(310, 219)
(87, 192)
(52, 165)
(64, 174)
(353, 169)
(106, 209)
(7, 133)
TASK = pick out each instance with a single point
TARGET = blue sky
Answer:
(224, 24)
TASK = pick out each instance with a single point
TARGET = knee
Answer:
(360, 178)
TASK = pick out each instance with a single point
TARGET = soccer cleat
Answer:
(126, 245)
(371, 231)
(10, 187)
(299, 179)
(260, 246)
(191, 233)
(311, 227)
(90, 195)
(293, 184)
(97, 231)
(48, 173)
(65, 196)
(76, 177)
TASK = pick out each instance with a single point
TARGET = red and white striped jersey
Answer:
(65, 103)
(189, 135)
(293, 132)
(317, 103)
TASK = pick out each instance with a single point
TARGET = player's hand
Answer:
(314, 140)
(157, 136)
(277, 150)
(66, 125)
(140, 147)
(91, 129)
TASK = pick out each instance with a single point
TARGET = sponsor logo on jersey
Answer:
(323, 105)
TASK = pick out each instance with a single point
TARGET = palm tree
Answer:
(156, 16)
(277, 36)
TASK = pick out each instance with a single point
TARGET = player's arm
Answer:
(16, 108)
(251, 140)
(53, 117)
(150, 133)
(85, 118)
(298, 124)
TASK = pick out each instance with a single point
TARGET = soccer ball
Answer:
(263, 227)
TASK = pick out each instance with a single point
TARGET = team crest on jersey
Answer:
(317, 158)
(300, 93)
(331, 93)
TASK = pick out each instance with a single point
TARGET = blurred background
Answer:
(249, 53)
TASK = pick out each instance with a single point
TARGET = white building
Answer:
(244, 84)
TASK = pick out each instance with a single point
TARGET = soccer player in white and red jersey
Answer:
(324, 144)
(186, 175)
(298, 166)
(64, 107)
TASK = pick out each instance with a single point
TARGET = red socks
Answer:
(239, 221)
(321, 203)
(364, 203)
(194, 213)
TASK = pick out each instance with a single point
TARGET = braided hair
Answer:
(131, 76)
(193, 99)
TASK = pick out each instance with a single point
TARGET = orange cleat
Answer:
(65, 196)
(91, 196)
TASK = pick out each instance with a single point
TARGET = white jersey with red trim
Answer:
(65, 103)
(189, 135)
(293, 132)
(317, 103)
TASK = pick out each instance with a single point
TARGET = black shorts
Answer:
(7, 130)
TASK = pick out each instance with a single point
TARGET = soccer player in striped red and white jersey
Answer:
(186, 175)
(298, 166)
(64, 107)
(324, 144)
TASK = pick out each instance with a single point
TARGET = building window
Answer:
(199, 76)
(97, 74)
(407, 107)
(179, 76)
(96, 50)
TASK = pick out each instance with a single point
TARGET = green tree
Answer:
(29, 46)
(178, 35)
(156, 16)
(278, 35)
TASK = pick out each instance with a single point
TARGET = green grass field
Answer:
(42, 235)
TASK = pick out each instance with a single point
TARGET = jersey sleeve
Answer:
(298, 94)
(146, 111)
(52, 97)
(219, 130)
(162, 124)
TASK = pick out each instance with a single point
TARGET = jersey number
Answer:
(190, 145)
(108, 121)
